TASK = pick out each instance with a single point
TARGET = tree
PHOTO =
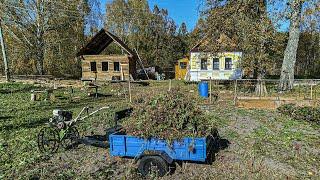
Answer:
(304, 17)
(198, 33)
(288, 65)
(44, 36)
(243, 26)
(183, 40)
(308, 55)
(152, 32)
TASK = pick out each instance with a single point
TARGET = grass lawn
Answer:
(263, 143)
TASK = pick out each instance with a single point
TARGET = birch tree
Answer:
(44, 36)
(300, 12)
(288, 65)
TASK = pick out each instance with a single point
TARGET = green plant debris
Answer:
(171, 115)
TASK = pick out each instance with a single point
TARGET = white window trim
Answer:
(213, 64)
(225, 64)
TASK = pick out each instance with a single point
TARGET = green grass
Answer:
(264, 144)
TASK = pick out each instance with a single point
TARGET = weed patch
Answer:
(306, 113)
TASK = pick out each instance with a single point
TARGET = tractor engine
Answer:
(60, 116)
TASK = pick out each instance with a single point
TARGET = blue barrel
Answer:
(203, 89)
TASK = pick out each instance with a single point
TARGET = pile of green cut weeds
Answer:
(305, 113)
(170, 116)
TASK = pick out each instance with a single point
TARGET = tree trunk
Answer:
(39, 61)
(39, 37)
(260, 87)
(288, 65)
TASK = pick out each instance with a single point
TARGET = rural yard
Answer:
(257, 144)
(160, 89)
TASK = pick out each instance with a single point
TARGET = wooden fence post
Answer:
(235, 92)
(210, 91)
(311, 93)
(299, 90)
(130, 100)
(33, 96)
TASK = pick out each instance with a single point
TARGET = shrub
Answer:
(305, 113)
(286, 109)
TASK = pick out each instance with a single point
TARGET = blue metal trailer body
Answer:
(187, 149)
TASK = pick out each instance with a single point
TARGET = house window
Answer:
(93, 66)
(228, 63)
(116, 66)
(105, 66)
(216, 64)
(204, 64)
(183, 65)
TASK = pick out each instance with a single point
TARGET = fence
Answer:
(267, 95)
(251, 93)
(243, 93)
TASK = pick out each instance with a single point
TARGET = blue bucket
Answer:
(203, 89)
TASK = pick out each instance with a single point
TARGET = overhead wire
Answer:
(32, 10)
(91, 18)
(78, 16)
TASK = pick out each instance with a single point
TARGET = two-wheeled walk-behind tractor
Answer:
(61, 130)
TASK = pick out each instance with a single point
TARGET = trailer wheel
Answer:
(153, 165)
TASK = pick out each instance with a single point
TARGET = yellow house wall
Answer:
(222, 73)
(181, 73)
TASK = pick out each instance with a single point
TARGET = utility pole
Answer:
(4, 55)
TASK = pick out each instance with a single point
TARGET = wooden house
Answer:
(181, 69)
(205, 64)
(106, 67)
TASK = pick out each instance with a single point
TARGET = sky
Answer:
(179, 10)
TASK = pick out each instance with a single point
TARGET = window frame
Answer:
(213, 63)
(102, 69)
(185, 64)
(95, 66)
(206, 64)
(114, 66)
(228, 66)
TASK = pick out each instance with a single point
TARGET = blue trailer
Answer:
(158, 154)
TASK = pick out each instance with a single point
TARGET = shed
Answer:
(181, 68)
(106, 67)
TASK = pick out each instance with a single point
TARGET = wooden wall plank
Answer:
(106, 75)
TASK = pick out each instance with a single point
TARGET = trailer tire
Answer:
(146, 164)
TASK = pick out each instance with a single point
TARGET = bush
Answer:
(306, 113)
(287, 109)
(172, 115)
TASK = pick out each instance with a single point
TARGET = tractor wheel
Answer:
(71, 138)
(48, 140)
(153, 165)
